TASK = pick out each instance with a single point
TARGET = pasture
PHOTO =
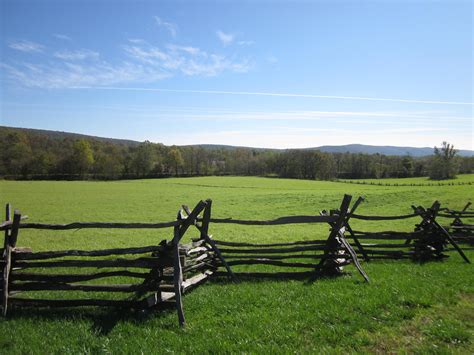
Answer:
(407, 307)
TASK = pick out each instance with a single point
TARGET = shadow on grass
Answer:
(104, 319)
(306, 278)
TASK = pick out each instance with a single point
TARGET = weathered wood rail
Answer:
(160, 274)
(428, 241)
(461, 231)
(319, 257)
(154, 274)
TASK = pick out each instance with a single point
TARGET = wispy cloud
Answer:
(27, 46)
(172, 28)
(80, 54)
(144, 63)
(311, 96)
(188, 49)
(62, 37)
(188, 60)
(136, 40)
(65, 75)
(225, 38)
(437, 119)
(349, 117)
(245, 43)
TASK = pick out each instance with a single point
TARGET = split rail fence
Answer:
(429, 240)
(162, 273)
(461, 231)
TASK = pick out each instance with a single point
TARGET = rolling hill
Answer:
(349, 148)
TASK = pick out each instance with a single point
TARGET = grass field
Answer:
(407, 307)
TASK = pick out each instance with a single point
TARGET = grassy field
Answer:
(407, 307)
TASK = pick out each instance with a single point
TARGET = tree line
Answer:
(26, 154)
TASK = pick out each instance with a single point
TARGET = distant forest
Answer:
(32, 154)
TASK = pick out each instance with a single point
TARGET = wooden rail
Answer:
(162, 273)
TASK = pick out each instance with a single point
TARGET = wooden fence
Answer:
(428, 241)
(165, 270)
(320, 257)
(461, 231)
(162, 272)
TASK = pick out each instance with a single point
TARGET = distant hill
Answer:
(386, 150)
(58, 135)
(353, 148)
(349, 148)
(230, 147)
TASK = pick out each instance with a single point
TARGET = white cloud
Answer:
(27, 46)
(296, 95)
(63, 37)
(188, 60)
(136, 40)
(149, 55)
(67, 75)
(145, 64)
(225, 38)
(169, 26)
(187, 49)
(80, 54)
(351, 118)
(245, 43)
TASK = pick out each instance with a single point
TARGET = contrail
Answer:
(219, 92)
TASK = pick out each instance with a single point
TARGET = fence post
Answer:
(440, 229)
(179, 231)
(8, 218)
(351, 232)
(337, 239)
(204, 235)
(10, 243)
(178, 272)
(332, 244)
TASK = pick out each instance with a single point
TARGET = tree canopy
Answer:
(26, 154)
(444, 164)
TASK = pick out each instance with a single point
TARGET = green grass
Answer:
(406, 308)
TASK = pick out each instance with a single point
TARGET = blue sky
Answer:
(256, 73)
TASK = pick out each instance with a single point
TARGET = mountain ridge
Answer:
(347, 148)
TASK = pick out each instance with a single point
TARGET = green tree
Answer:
(325, 166)
(443, 163)
(175, 159)
(43, 162)
(16, 154)
(408, 166)
(142, 159)
(108, 162)
(82, 157)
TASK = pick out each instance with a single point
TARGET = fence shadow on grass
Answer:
(103, 320)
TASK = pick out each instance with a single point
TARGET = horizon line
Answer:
(229, 145)
(250, 93)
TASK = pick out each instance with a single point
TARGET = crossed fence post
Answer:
(434, 230)
(457, 220)
(179, 231)
(337, 238)
(351, 232)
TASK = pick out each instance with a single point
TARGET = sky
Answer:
(276, 74)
